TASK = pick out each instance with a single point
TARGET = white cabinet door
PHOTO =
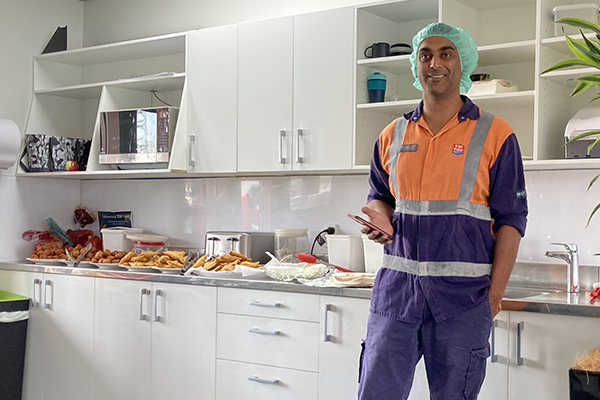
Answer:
(323, 94)
(212, 99)
(343, 327)
(122, 342)
(549, 347)
(29, 284)
(265, 95)
(495, 386)
(68, 343)
(183, 342)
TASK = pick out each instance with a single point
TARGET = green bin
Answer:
(14, 314)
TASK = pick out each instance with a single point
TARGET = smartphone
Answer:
(368, 224)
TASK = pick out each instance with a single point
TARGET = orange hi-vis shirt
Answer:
(449, 192)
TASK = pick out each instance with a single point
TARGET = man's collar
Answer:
(468, 110)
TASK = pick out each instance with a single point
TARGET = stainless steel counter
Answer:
(189, 280)
(521, 294)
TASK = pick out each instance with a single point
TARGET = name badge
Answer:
(405, 148)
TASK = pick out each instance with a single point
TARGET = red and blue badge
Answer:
(458, 149)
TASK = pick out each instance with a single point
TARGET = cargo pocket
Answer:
(360, 358)
(476, 371)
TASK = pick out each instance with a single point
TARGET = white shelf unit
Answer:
(507, 56)
(72, 88)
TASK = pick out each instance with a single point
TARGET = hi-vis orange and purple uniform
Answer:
(450, 192)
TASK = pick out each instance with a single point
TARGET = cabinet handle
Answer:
(520, 327)
(157, 318)
(45, 304)
(281, 136)
(494, 357)
(299, 159)
(263, 380)
(191, 161)
(263, 332)
(39, 283)
(263, 304)
(326, 308)
(143, 292)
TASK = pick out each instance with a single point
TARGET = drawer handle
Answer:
(281, 136)
(520, 327)
(263, 304)
(263, 332)
(36, 282)
(143, 292)
(326, 309)
(45, 304)
(263, 380)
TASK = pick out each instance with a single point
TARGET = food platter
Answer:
(46, 261)
(107, 266)
(168, 270)
(82, 264)
(132, 268)
(218, 274)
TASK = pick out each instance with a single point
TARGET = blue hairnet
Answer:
(467, 51)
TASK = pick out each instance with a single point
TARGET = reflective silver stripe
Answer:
(474, 155)
(393, 151)
(430, 268)
(443, 207)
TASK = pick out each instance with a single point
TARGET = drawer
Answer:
(275, 342)
(267, 303)
(265, 383)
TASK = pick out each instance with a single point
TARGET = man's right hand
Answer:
(382, 221)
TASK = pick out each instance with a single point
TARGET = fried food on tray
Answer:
(53, 250)
(144, 259)
(226, 262)
(176, 255)
(106, 256)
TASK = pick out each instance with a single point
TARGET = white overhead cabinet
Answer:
(295, 93)
(153, 341)
(265, 95)
(210, 109)
(60, 337)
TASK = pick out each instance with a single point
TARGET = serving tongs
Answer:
(78, 259)
(191, 258)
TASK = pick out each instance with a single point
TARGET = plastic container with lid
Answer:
(346, 251)
(587, 11)
(142, 242)
(290, 242)
(116, 238)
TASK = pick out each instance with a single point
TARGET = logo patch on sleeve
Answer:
(521, 194)
(458, 149)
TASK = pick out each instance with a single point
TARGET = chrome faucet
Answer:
(571, 256)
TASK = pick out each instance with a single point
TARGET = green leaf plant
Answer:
(587, 53)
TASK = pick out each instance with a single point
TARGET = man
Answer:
(447, 180)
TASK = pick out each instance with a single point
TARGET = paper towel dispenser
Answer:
(10, 140)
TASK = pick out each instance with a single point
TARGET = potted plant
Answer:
(587, 53)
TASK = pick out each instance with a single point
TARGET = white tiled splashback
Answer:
(26, 203)
(184, 209)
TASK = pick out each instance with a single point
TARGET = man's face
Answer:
(438, 67)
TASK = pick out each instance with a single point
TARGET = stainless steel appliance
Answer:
(251, 244)
(137, 138)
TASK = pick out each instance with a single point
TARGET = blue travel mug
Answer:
(376, 83)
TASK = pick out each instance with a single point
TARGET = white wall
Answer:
(108, 21)
(26, 26)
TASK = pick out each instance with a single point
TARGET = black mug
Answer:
(379, 49)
